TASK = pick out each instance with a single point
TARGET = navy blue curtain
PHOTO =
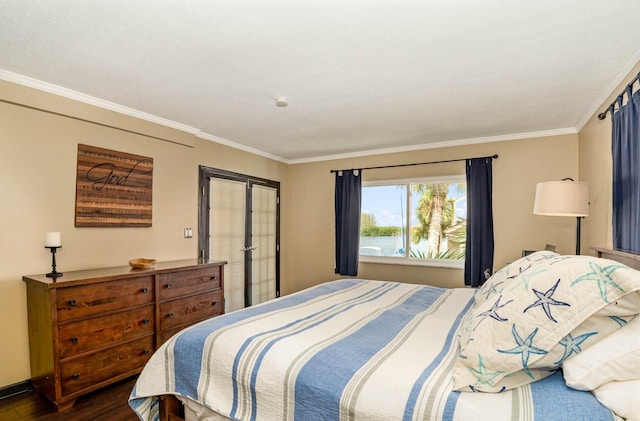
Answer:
(625, 145)
(478, 265)
(347, 205)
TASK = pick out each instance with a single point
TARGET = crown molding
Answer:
(91, 100)
(437, 145)
(234, 145)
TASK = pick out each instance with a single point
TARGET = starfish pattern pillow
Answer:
(532, 322)
(524, 267)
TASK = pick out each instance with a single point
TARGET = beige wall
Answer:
(38, 153)
(521, 164)
(596, 169)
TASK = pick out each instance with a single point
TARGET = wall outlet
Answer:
(188, 233)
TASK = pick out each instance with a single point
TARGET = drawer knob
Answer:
(214, 277)
(170, 315)
(145, 290)
(213, 303)
(76, 376)
(72, 303)
(74, 340)
(169, 286)
(146, 352)
(145, 321)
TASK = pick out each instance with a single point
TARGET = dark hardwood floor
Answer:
(108, 404)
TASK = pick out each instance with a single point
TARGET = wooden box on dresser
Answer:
(91, 328)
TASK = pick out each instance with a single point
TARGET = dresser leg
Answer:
(66, 405)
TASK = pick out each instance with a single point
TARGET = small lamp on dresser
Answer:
(563, 198)
(53, 242)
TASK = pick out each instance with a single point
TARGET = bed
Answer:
(357, 349)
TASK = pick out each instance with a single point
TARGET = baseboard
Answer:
(16, 389)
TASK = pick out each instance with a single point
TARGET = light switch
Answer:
(188, 233)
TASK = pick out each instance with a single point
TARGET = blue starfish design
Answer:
(539, 258)
(558, 259)
(466, 328)
(520, 270)
(572, 345)
(473, 389)
(525, 278)
(482, 375)
(546, 301)
(621, 322)
(602, 275)
(524, 347)
(493, 312)
(491, 289)
(463, 349)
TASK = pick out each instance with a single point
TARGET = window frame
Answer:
(408, 260)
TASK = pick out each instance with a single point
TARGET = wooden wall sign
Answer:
(113, 189)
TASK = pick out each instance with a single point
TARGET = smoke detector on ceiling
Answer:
(281, 102)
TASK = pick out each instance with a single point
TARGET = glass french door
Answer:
(239, 223)
(227, 236)
(264, 242)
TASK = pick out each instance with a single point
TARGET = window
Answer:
(416, 222)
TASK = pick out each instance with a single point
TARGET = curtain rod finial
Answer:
(602, 115)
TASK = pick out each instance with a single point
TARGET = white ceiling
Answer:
(361, 76)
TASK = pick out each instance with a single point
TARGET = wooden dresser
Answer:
(630, 259)
(91, 328)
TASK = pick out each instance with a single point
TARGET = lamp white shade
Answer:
(52, 239)
(562, 198)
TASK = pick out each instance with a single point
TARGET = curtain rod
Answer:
(611, 106)
(417, 163)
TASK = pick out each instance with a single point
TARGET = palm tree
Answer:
(436, 213)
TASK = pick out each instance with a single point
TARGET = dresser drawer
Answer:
(102, 366)
(165, 335)
(190, 310)
(178, 284)
(89, 300)
(90, 334)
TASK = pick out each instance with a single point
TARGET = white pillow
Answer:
(616, 357)
(623, 398)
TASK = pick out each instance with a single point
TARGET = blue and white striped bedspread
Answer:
(344, 350)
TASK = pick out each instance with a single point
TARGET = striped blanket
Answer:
(344, 350)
